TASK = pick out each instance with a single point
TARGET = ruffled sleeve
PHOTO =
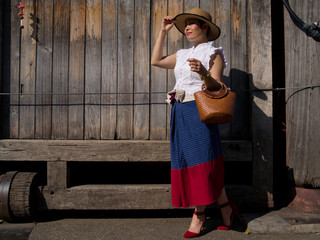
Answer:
(219, 50)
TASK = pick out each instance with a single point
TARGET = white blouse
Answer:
(187, 80)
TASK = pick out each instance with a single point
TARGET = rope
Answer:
(298, 89)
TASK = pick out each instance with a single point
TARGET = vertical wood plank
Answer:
(259, 51)
(223, 19)
(313, 53)
(44, 69)
(187, 6)
(158, 117)
(28, 69)
(93, 69)
(238, 77)
(5, 39)
(60, 69)
(76, 69)
(296, 75)
(2, 52)
(109, 69)
(14, 71)
(175, 42)
(141, 69)
(125, 69)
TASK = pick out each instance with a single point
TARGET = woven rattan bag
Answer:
(215, 107)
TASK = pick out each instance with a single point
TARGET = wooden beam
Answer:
(115, 197)
(105, 151)
(103, 197)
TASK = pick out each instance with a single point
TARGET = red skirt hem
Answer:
(198, 185)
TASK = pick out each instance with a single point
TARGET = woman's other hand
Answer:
(210, 78)
(167, 23)
(196, 66)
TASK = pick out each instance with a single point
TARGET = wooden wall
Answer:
(80, 69)
(83, 68)
(302, 70)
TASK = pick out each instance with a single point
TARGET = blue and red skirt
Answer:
(197, 168)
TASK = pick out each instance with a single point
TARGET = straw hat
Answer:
(200, 14)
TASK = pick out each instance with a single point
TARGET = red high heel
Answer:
(234, 212)
(189, 234)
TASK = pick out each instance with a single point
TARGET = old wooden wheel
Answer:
(18, 191)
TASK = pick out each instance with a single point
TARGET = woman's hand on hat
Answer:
(167, 23)
(196, 66)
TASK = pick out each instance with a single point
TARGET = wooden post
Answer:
(57, 175)
(260, 66)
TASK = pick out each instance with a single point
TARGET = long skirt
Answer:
(197, 168)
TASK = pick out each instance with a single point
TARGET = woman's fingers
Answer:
(168, 20)
(167, 23)
(195, 64)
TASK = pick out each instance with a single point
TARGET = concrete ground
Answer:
(282, 224)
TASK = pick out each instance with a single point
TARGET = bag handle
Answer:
(215, 94)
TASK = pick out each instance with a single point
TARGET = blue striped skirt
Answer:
(197, 169)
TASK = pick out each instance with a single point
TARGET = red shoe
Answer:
(234, 212)
(189, 234)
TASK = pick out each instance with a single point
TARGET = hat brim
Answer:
(180, 24)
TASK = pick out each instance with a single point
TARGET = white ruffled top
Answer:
(187, 80)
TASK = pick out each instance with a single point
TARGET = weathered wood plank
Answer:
(14, 71)
(259, 64)
(76, 69)
(187, 6)
(158, 125)
(98, 197)
(3, 8)
(125, 69)
(44, 74)
(175, 43)
(28, 72)
(222, 17)
(93, 69)
(109, 70)
(313, 53)
(302, 108)
(239, 81)
(61, 23)
(1, 39)
(104, 197)
(108, 151)
(141, 69)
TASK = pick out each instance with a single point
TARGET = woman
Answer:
(197, 169)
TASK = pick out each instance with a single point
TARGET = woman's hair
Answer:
(201, 25)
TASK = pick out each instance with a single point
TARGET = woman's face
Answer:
(193, 31)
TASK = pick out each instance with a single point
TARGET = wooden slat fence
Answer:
(83, 68)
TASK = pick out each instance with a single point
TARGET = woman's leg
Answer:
(197, 220)
(225, 211)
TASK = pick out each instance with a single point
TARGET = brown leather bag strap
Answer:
(215, 94)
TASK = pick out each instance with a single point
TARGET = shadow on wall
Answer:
(270, 175)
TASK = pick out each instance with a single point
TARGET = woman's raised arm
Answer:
(157, 58)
